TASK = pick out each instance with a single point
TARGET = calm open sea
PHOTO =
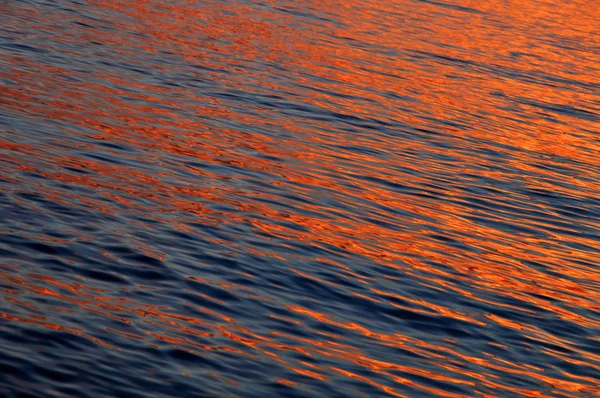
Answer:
(277, 198)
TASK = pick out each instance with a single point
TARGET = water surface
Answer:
(299, 199)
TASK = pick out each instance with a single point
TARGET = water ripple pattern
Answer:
(276, 198)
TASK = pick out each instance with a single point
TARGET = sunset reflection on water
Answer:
(300, 199)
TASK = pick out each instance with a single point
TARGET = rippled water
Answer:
(276, 198)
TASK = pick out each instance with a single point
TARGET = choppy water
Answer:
(278, 198)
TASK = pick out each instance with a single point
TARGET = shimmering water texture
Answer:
(312, 198)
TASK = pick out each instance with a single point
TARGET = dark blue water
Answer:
(299, 199)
